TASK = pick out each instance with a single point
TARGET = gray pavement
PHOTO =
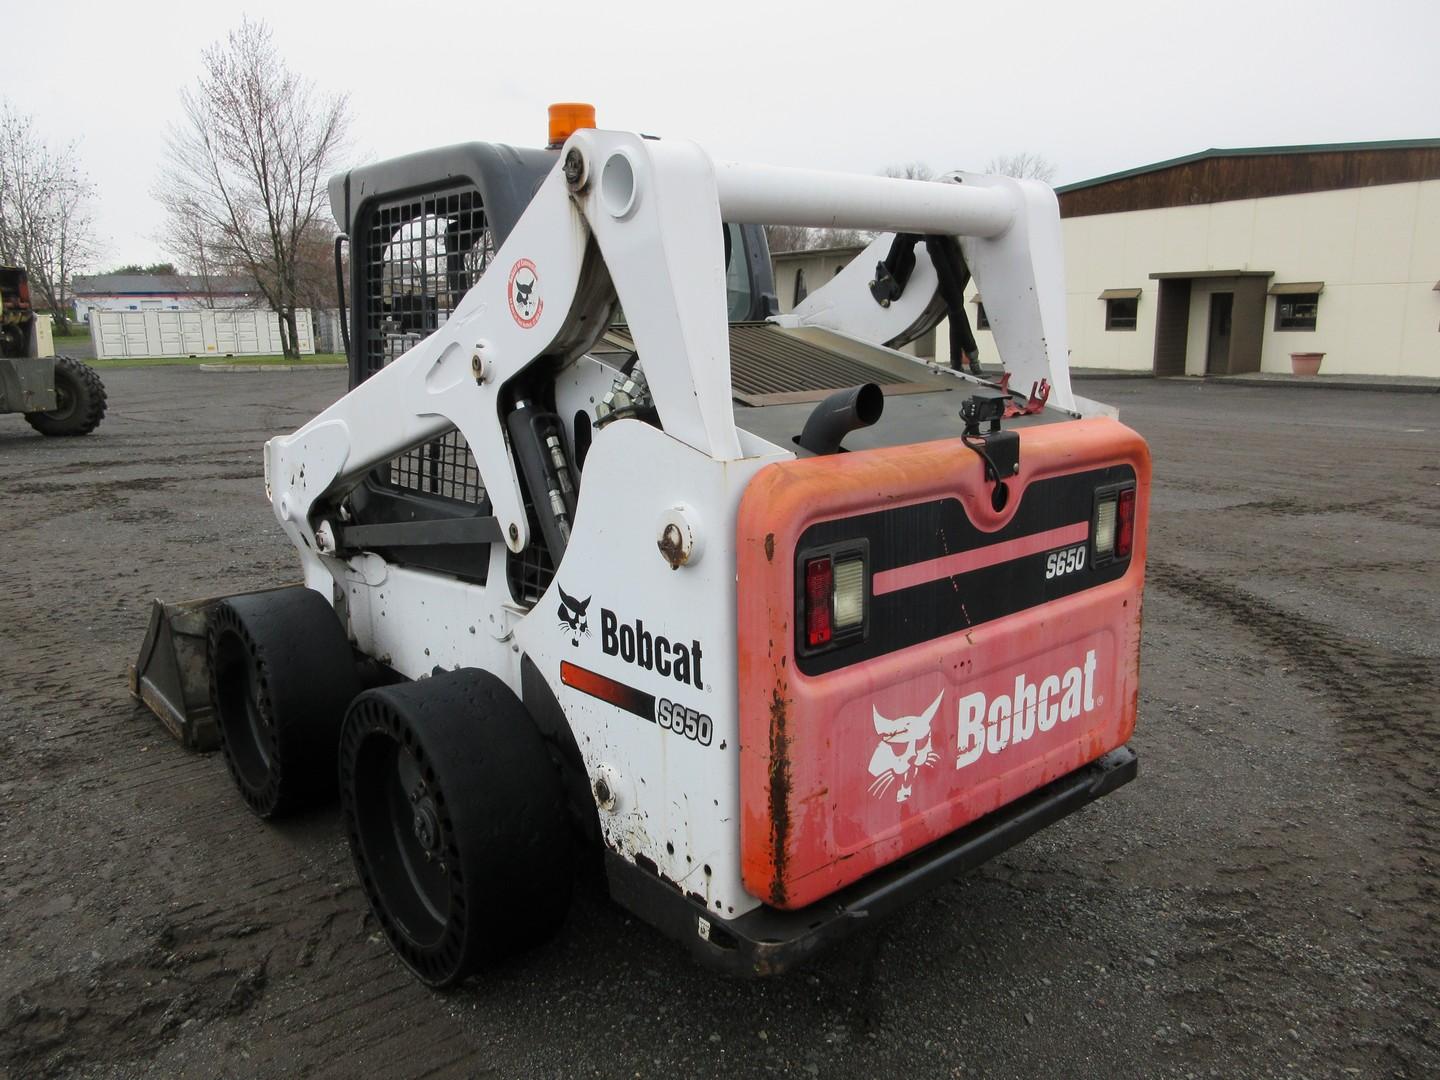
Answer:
(1262, 902)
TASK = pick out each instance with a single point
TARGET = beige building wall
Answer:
(818, 267)
(1377, 250)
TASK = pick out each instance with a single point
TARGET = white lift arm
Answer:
(1018, 261)
(640, 219)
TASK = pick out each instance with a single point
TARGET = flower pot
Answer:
(1306, 363)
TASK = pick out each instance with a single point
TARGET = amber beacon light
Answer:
(568, 117)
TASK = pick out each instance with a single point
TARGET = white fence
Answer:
(193, 333)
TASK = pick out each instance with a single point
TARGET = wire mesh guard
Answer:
(422, 255)
(443, 466)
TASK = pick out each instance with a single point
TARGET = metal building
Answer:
(1229, 261)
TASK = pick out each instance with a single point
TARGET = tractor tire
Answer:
(457, 822)
(281, 676)
(79, 401)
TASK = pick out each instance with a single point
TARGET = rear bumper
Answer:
(768, 941)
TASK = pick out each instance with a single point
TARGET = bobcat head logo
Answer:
(906, 747)
(572, 616)
(523, 294)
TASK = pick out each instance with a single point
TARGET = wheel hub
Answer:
(426, 826)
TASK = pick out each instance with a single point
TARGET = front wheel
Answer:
(281, 676)
(456, 819)
(79, 401)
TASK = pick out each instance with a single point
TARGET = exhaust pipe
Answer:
(839, 414)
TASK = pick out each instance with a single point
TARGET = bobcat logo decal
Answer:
(906, 747)
(572, 616)
(524, 294)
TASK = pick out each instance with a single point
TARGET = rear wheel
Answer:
(456, 820)
(79, 401)
(281, 676)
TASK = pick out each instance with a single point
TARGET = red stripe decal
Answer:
(607, 689)
(921, 573)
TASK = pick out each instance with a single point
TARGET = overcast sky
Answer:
(1095, 86)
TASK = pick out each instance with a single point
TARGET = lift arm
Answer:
(639, 220)
(1019, 266)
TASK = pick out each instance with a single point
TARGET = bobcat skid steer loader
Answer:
(600, 558)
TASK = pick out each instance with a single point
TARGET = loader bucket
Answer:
(172, 677)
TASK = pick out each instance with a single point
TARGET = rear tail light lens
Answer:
(833, 597)
(819, 587)
(1112, 530)
(1105, 527)
(1125, 530)
(849, 593)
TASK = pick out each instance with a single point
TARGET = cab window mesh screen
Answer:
(443, 466)
(422, 254)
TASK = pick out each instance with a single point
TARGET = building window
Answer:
(1121, 314)
(1122, 308)
(982, 321)
(800, 290)
(1296, 311)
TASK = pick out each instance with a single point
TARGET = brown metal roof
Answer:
(1166, 274)
(1217, 175)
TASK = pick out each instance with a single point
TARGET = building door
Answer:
(1172, 324)
(1217, 352)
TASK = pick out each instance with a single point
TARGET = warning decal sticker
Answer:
(524, 294)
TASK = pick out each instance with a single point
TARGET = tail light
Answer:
(849, 593)
(834, 597)
(819, 585)
(1112, 529)
(1125, 530)
(24, 291)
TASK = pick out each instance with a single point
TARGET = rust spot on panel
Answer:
(672, 547)
(779, 796)
(770, 547)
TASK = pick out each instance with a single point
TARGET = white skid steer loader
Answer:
(587, 568)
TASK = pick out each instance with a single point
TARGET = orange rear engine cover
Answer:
(998, 653)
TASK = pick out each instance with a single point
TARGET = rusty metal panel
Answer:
(855, 758)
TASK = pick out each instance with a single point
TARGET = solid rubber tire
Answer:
(84, 405)
(502, 831)
(282, 674)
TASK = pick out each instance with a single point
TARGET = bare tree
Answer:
(315, 266)
(187, 238)
(801, 238)
(788, 238)
(914, 170)
(44, 224)
(1023, 165)
(246, 174)
(147, 269)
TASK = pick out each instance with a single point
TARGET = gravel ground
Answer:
(1261, 903)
